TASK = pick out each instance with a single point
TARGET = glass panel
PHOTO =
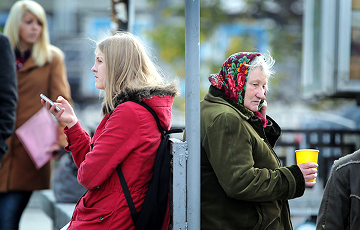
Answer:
(355, 41)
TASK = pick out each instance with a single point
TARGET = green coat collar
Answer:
(217, 93)
(272, 131)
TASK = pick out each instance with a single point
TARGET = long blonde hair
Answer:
(42, 50)
(127, 66)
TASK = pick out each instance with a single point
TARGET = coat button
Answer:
(101, 218)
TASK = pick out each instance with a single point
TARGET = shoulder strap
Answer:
(127, 193)
(154, 115)
(162, 131)
(134, 213)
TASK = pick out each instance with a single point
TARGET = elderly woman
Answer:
(243, 185)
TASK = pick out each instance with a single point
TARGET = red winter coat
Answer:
(130, 137)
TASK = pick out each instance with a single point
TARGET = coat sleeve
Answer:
(59, 86)
(230, 152)
(335, 205)
(8, 93)
(118, 138)
(79, 143)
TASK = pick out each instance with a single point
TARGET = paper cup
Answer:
(307, 155)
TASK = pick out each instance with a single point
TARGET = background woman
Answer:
(40, 69)
(129, 136)
(243, 185)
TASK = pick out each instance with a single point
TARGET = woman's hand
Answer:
(66, 114)
(309, 172)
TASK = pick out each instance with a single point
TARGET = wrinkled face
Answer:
(30, 30)
(256, 87)
(99, 70)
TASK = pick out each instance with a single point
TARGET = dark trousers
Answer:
(12, 205)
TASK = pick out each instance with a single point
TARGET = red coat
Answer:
(130, 137)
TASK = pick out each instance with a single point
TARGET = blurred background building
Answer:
(307, 39)
(314, 96)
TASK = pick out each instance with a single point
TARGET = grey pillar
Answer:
(192, 119)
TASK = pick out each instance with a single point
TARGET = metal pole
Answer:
(122, 15)
(192, 119)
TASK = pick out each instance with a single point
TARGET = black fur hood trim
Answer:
(144, 93)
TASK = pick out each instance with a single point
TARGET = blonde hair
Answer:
(42, 50)
(127, 66)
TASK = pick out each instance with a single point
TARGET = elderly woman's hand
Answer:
(309, 172)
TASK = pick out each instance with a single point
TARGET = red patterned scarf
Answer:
(232, 78)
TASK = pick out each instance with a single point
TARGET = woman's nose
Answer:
(93, 68)
(261, 93)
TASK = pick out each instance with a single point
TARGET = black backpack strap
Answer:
(154, 115)
(163, 132)
(127, 193)
(134, 213)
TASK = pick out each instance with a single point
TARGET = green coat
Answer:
(243, 185)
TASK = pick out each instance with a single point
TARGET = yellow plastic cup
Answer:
(307, 155)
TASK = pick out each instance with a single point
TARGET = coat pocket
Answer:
(91, 214)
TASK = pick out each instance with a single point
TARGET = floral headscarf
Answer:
(233, 74)
(232, 78)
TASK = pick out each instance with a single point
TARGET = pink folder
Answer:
(38, 135)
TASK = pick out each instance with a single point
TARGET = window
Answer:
(331, 48)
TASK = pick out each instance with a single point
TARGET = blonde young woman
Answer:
(40, 69)
(129, 136)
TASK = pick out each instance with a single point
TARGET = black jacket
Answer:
(8, 92)
(340, 205)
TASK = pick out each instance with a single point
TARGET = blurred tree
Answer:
(286, 34)
(283, 20)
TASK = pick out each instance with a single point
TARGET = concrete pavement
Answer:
(33, 217)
